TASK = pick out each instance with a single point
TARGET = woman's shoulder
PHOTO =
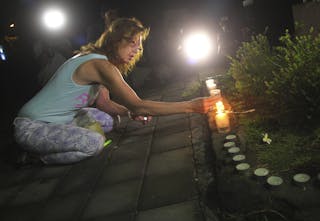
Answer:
(89, 56)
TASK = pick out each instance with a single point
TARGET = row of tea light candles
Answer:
(221, 118)
(259, 173)
(223, 125)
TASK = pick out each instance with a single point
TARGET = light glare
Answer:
(53, 19)
(197, 46)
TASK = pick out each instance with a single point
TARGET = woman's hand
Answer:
(143, 119)
(204, 104)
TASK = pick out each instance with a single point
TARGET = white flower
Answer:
(266, 139)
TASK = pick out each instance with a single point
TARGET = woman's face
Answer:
(129, 48)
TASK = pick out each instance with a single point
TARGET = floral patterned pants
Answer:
(63, 143)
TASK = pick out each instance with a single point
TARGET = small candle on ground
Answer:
(229, 144)
(261, 172)
(231, 137)
(234, 150)
(238, 158)
(242, 166)
(274, 181)
(301, 178)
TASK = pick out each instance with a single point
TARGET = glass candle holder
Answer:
(222, 122)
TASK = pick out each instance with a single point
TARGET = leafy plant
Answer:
(295, 85)
(283, 84)
(250, 68)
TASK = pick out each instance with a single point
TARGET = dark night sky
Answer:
(83, 13)
(86, 11)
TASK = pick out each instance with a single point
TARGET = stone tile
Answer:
(82, 176)
(35, 192)
(171, 127)
(144, 131)
(116, 173)
(17, 177)
(133, 125)
(63, 208)
(118, 217)
(113, 199)
(28, 212)
(198, 120)
(169, 179)
(170, 118)
(137, 138)
(186, 211)
(174, 141)
(161, 190)
(7, 193)
(171, 162)
(52, 172)
(130, 151)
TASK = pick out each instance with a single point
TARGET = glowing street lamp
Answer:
(197, 46)
(53, 19)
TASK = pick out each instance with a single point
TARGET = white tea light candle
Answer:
(261, 172)
(301, 178)
(238, 158)
(274, 181)
(231, 137)
(229, 144)
(234, 150)
(242, 166)
(210, 84)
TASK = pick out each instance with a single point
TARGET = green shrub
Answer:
(282, 83)
(250, 68)
(295, 86)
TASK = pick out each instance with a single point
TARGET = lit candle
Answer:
(222, 119)
(210, 84)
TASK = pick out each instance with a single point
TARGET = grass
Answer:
(289, 150)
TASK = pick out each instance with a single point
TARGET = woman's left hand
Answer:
(204, 104)
(143, 119)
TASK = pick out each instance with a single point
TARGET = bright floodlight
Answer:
(197, 46)
(54, 19)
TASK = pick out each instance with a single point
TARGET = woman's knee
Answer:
(91, 143)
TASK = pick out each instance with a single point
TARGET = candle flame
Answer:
(220, 107)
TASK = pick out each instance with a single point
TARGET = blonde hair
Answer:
(109, 41)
